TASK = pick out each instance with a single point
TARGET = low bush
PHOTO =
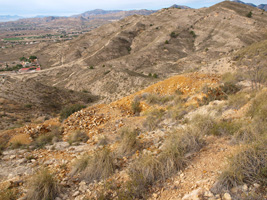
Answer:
(67, 111)
(249, 166)
(236, 101)
(43, 140)
(177, 112)
(258, 108)
(135, 106)
(148, 169)
(153, 119)
(129, 142)
(97, 166)
(77, 137)
(156, 99)
(43, 186)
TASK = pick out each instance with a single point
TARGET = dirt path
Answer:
(203, 170)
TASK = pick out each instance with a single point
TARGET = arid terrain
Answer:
(169, 105)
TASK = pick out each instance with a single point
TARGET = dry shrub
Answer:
(148, 169)
(249, 166)
(177, 148)
(76, 137)
(157, 99)
(43, 140)
(135, 106)
(129, 142)
(98, 166)
(207, 125)
(43, 186)
(236, 101)
(258, 108)
(145, 171)
(153, 119)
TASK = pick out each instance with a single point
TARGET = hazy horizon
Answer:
(31, 8)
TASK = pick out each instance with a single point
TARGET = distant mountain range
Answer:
(261, 6)
(179, 6)
(6, 18)
(116, 14)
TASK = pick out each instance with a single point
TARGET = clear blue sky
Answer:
(69, 7)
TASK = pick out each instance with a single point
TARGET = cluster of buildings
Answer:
(31, 66)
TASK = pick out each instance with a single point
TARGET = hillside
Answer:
(164, 43)
(166, 106)
(175, 146)
(123, 57)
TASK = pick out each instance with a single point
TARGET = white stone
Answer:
(75, 194)
(227, 196)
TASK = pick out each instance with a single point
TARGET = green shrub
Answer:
(33, 57)
(249, 15)
(247, 166)
(167, 42)
(43, 186)
(193, 34)
(67, 111)
(129, 142)
(98, 166)
(174, 35)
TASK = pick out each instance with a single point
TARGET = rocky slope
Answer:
(103, 125)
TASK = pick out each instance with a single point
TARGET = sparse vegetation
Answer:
(43, 186)
(236, 101)
(153, 119)
(193, 34)
(135, 106)
(8, 194)
(249, 166)
(128, 142)
(43, 140)
(148, 169)
(249, 15)
(166, 41)
(67, 111)
(157, 99)
(76, 137)
(174, 35)
(98, 166)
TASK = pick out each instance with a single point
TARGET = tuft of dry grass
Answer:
(153, 119)
(129, 142)
(76, 137)
(135, 106)
(249, 166)
(8, 194)
(157, 99)
(43, 186)
(97, 166)
(236, 101)
(148, 169)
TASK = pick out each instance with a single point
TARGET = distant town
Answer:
(24, 65)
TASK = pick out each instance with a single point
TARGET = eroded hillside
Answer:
(170, 140)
